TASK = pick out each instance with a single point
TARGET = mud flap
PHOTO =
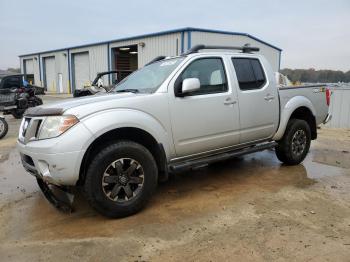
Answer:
(60, 197)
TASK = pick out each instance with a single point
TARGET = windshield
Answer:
(149, 78)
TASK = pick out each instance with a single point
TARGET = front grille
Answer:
(29, 129)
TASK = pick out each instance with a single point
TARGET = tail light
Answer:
(328, 96)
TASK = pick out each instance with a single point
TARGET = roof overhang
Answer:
(180, 30)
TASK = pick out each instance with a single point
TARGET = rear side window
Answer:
(249, 73)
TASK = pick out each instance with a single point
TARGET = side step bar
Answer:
(219, 157)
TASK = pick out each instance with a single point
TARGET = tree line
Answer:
(316, 76)
(297, 75)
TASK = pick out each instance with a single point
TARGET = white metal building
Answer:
(66, 69)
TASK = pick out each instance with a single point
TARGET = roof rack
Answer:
(156, 59)
(245, 49)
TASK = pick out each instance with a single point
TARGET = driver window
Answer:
(211, 75)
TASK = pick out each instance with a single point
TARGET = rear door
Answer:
(206, 119)
(258, 99)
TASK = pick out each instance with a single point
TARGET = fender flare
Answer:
(286, 112)
(104, 121)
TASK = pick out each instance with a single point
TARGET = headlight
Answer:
(54, 126)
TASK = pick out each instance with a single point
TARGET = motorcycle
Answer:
(16, 101)
(3, 127)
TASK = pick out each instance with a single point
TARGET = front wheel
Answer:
(295, 144)
(3, 127)
(121, 179)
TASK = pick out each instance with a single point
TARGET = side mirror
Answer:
(190, 85)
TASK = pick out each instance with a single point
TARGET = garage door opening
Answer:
(49, 74)
(81, 70)
(125, 60)
(29, 70)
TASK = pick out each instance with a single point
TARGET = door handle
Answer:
(269, 97)
(229, 101)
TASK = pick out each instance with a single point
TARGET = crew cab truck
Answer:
(209, 104)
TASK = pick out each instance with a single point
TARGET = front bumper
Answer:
(57, 160)
(57, 169)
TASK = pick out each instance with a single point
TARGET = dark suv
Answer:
(14, 81)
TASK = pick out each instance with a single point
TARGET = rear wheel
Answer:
(18, 113)
(38, 101)
(121, 179)
(295, 144)
(3, 127)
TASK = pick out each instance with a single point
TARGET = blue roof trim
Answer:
(233, 33)
(180, 30)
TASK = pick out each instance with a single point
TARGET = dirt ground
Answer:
(246, 209)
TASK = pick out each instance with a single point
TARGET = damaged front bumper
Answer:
(54, 175)
(60, 197)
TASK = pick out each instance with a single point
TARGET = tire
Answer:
(18, 114)
(38, 101)
(295, 143)
(3, 127)
(123, 154)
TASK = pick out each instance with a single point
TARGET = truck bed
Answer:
(315, 93)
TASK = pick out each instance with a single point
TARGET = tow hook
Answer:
(60, 197)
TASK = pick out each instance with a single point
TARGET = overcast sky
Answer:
(312, 33)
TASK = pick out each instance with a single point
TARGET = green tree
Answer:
(316, 76)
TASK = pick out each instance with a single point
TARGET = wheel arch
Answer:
(304, 113)
(299, 107)
(134, 134)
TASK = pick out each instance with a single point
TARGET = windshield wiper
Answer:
(128, 90)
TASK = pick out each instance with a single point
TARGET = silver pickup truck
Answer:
(209, 104)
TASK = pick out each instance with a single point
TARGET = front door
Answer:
(206, 119)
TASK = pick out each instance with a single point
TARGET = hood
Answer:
(60, 107)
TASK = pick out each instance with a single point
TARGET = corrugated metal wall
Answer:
(101, 56)
(35, 68)
(169, 45)
(271, 54)
(98, 59)
(28, 66)
(340, 108)
(61, 67)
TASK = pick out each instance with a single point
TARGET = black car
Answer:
(16, 95)
(14, 81)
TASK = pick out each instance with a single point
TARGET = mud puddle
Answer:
(186, 195)
(250, 208)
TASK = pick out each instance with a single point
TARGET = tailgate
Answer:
(7, 99)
